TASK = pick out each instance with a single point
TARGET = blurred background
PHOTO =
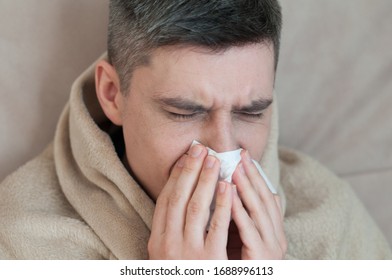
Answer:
(334, 83)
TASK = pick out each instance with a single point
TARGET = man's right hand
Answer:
(183, 209)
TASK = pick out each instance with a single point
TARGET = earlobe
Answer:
(108, 91)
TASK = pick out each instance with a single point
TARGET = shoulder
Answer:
(324, 218)
(36, 219)
(307, 180)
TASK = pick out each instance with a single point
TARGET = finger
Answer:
(249, 234)
(280, 233)
(254, 247)
(262, 190)
(254, 205)
(160, 212)
(257, 180)
(220, 221)
(198, 209)
(279, 204)
(272, 206)
(179, 195)
(174, 175)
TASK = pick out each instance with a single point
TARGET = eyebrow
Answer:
(182, 104)
(258, 105)
(188, 105)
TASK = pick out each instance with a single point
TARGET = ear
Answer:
(107, 85)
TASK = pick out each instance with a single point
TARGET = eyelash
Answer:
(253, 116)
(182, 117)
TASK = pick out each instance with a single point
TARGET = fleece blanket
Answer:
(76, 200)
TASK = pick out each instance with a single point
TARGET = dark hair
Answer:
(137, 27)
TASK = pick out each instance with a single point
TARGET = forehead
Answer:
(197, 73)
(193, 57)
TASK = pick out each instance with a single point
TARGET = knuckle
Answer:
(221, 205)
(194, 208)
(216, 225)
(187, 169)
(161, 201)
(206, 177)
(174, 199)
(189, 166)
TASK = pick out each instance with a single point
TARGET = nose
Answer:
(219, 135)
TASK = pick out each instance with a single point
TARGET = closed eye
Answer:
(182, 116)
(251, 115)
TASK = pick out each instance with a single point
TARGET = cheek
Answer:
(167, 156)
(254, 138)
(153, 148)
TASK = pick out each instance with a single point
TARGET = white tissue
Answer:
(229, 161)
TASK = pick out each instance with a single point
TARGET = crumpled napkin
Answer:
(229, 161)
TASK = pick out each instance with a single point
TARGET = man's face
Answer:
(188, 93)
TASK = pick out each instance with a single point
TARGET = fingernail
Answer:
(210, 161)
(181, 162)
(196, 151)
(222, 187)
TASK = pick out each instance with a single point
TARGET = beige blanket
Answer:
(77, 201)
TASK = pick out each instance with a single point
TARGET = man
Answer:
(122, 180)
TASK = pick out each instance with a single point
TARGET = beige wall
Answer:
(44, 45)
(334, 83)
